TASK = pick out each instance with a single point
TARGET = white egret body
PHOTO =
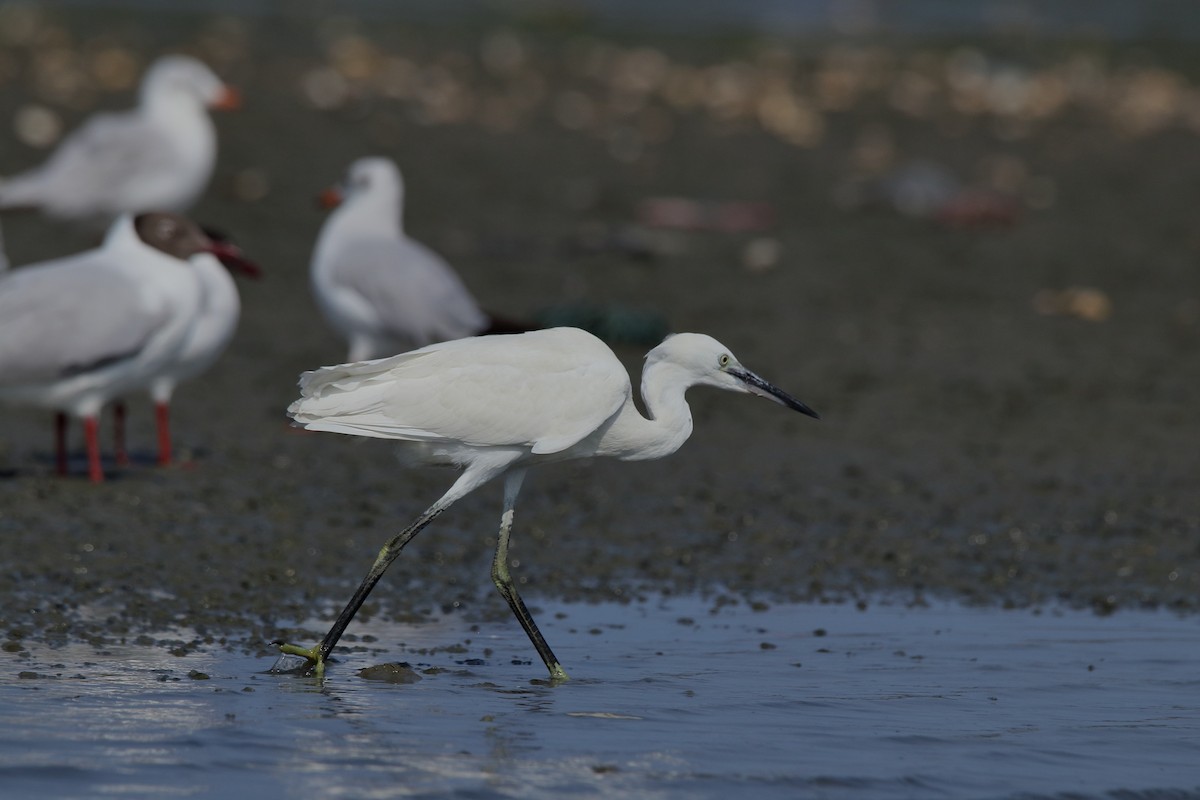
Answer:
(379, 289)
(501, 404)
(77, 332)
(158, 156)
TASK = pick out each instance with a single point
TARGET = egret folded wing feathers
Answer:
(437, 395)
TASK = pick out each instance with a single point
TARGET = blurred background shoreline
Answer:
(1119, 20)
(965, 233)
(974, 257)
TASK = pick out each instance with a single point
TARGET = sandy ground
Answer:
(971, 447)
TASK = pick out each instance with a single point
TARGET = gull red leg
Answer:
(60, 443)
(121, 454)
(91, 434)
(162, 412)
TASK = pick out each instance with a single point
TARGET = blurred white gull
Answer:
(78, 331)
(158, 156)
(382, 291)
(212, 329)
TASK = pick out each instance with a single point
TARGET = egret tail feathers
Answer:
(349, 377)
(360, 410)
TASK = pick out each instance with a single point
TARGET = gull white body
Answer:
(379, 289)
(499, 404)
(213, 326)
(218, 309)
(77, 332)
(157, 156)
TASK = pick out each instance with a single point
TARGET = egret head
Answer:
(705, 361)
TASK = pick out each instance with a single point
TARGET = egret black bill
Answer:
(770, 391)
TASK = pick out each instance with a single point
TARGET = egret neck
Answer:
(633, 437)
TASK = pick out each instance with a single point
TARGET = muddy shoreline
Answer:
(971, 447)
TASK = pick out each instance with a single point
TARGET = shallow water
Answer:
(669, 698)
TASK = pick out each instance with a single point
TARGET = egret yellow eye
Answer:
(724, 360)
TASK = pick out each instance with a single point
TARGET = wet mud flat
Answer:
(675, 698)
(979, 442)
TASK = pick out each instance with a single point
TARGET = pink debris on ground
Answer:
(682, 213)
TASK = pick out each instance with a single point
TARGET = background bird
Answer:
(78, 331)
(500, 404)
(212, 328)
(158, 156)
(380, 289)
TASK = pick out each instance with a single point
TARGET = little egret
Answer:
(500, 404)
(158, 156)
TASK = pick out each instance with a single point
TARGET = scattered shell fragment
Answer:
(1083, 302)
(325, 88)
(250, 185)
(761, 254)
(683, 213)
(502, 52)
(979, 208)
(575, 111)
(397, 78)
(919, 188)
(354, 57)
(115, 69)
(20, 24)
(37, 126)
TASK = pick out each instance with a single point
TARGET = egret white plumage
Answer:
(380, 289)
(501, 404)
(76, 332)
(158, 156)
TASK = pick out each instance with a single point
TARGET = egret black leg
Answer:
(387, 555)
(504, 581)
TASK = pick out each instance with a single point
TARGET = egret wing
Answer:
(545, 390)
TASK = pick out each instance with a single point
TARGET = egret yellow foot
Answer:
(312, 654)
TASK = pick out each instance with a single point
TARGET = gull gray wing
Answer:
(95, 168)
(65, 320)
(414, 294)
